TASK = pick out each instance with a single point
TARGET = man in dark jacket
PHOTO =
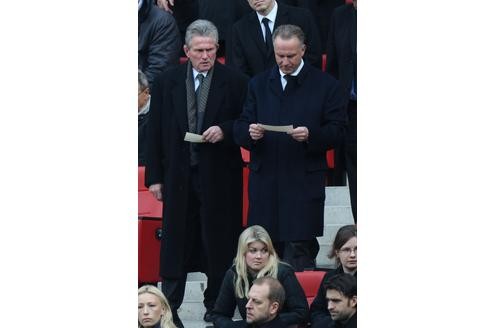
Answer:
(200, 180)
(342, 300)
(158, 40)
(265, 300)
(252, 50)
(287, 170)
(341, 64)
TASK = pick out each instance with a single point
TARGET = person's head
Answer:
(255, 249)
(289, 47)
(344, 248)
(265, 300)
(341, 294)
(256, 256)
(263, 7)
(201, 44)
(143, 90)
(153, 307)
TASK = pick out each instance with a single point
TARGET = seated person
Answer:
(256, 258)
(341, 295)
(153, 308)
(344, 249)
(265, 300)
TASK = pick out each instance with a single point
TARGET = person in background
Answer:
(341, 295)
(143, 110)
(158, 40)
(344, 250)
(266, 299)
(256, 258)
(252, 48)
(287, 170)
(153, 308)
(200, 182)
(342, 64)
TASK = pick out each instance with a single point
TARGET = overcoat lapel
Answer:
(275, 85)
(215, 97)
(255, 32)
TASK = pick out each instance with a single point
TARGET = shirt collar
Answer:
(195, 73)
(271, 16)
(296, 72)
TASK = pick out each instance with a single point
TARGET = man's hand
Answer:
(255, 131)
(165, 5)
(213, 134)
(156, 190)
(301, 133)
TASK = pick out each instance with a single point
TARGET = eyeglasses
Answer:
(348, 250)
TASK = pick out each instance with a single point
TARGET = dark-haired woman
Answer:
(344, 250)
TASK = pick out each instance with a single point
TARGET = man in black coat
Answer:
(200, 182)
(341, 64)
(252, 50)
(341, 294)
(287, 170)
(143, 114)
(158, 40)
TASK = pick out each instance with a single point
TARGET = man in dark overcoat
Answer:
(200, 183)
(287, 170)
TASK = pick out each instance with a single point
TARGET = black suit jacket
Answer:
(341, 47)
(219, 170)
(248, 51)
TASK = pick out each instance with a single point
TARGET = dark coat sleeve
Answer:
(334, 121)
(295, 310)
(153, 147)
(239, 95)
(248, 116)
(164, 45)
(226, 303)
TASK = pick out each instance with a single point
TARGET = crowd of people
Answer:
(272, 98)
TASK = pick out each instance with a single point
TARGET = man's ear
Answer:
(273, 309)
(353, 301)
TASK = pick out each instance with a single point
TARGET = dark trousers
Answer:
(301, 254)
(194, 253)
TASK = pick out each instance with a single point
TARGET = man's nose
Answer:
(248, 304)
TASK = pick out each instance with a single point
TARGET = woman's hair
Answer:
(166, 320)
(343, 235)
(252, 234)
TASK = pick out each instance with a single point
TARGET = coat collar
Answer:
(215, 96)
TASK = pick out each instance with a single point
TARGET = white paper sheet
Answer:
(278, 128)
(193, 137)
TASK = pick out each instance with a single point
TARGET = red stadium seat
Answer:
(310, 282)
(149, 250)
(331, 159)
(245, 178)
(149, 233)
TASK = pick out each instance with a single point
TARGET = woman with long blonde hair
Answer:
(153, 308)
(256, 257)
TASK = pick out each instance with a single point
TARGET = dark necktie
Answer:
(268, 34)
(199, 115)
(291, 83)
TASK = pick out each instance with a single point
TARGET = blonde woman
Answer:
(256, 257)
(153, 308)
